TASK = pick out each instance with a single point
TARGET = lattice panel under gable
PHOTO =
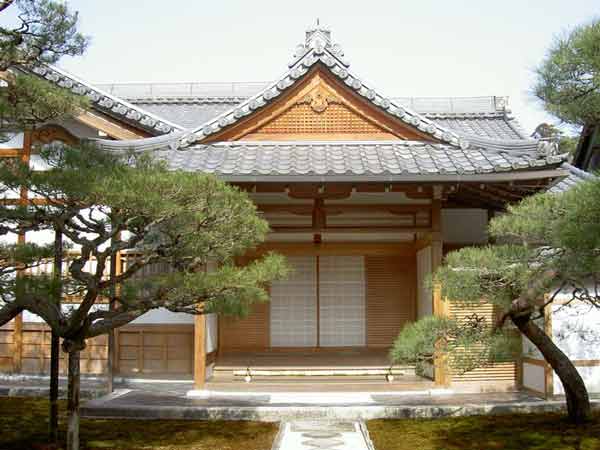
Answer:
(335, 119)
(342, 301)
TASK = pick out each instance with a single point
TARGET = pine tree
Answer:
(105, 205)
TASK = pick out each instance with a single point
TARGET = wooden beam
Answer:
(17, 356)
(340, 209)
(10, 152)
(335, 249)
(109, 126)
(548, 371)
(350, 229)
(26, 201)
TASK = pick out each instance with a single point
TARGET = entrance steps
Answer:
(300, 373)
(322, 379)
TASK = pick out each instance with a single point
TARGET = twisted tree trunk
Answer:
(73, 348)
(578, 400)
(73, 401)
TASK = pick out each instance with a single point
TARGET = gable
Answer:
(319, 107)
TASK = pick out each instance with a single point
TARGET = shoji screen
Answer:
(294, 305)
(342, 301)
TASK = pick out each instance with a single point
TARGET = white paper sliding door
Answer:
(294, 305)
(342, 301)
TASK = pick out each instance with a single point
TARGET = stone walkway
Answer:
(321, 436)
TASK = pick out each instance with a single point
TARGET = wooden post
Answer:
(18, 321)
(548, 371)
(17, 343)
(199, 352)
(441, 374)
(115, 269)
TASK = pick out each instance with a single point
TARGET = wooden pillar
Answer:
(18, 321)
(439, 307)
(548, 371)
(199, 352)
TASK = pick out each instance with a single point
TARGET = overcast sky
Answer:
(404, 48)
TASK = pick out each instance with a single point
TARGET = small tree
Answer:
(105, 205)
(550, 249)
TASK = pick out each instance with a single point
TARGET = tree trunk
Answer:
(578, 400)
(55, 345)
(73, 401)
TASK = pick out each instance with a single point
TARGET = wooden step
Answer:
(313, 371)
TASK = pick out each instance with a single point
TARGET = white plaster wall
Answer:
(9, 193)
(533, 377)
(66, 307)
(576, 331)
(164, 316)
(424, 295)
(41, 237)
(212, 332)
(464, 226)
(530, 350)
(9, 238)
(591, 378)
(14, 140)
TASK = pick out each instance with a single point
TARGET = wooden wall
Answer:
(390, 303)
(155, 349)
(252, 332)
(501, 372)
(36, 351)
(391, 297)
(148, 349)
(6, 347)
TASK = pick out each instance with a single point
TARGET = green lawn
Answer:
(23, 425)
(510, 432)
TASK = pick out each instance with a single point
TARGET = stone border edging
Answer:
(98, 409)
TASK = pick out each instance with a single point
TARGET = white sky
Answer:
(404, 48)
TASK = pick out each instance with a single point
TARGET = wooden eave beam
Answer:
(350, 229)
(111, 127)
(340, 209)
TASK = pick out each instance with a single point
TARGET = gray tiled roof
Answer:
(188, 113)
(191, 112)
(350, 161)
(574, 177)
(495, 126)
(105, 102)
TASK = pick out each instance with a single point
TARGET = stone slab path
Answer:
(322, 436)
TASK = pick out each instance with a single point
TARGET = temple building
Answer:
(364, 194)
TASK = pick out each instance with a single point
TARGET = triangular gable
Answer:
(318, 107)
(319, 60)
